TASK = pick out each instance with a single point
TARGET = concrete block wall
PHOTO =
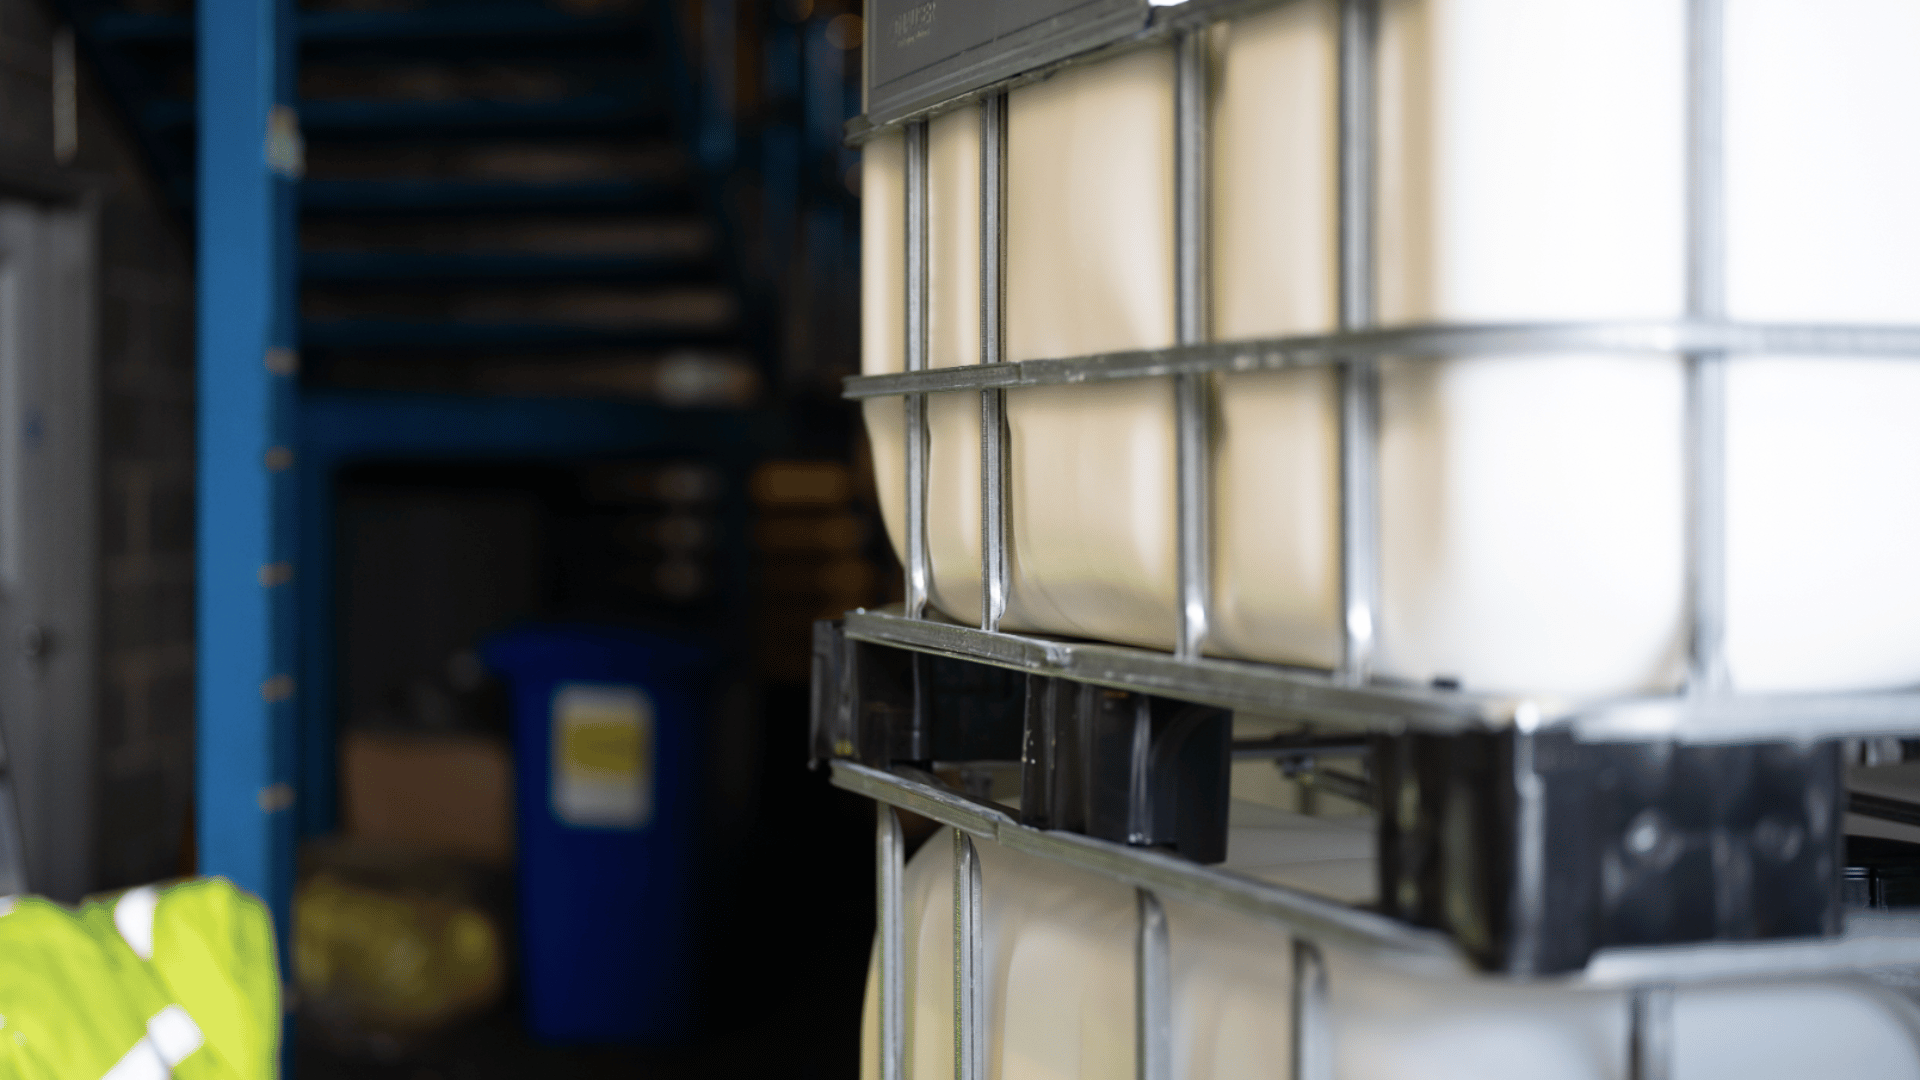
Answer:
(143, 733)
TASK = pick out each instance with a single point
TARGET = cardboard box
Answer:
(453, 793)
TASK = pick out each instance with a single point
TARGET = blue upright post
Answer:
(249, 160)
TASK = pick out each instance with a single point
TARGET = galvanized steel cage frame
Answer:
(1353, 695)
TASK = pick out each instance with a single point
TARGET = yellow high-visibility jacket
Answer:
(156, 982)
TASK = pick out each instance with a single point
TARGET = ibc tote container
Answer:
(1535, 171)
(1532, 166)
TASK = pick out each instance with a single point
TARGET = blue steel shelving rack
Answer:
(246, 617)
(268, 451)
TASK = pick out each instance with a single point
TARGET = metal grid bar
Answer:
(1658, 337)
(995, 578)
(1312, 1020)
(1191, 390)
(1152, 992)
(995, 569)
(1706, 369)
(1357, 124)
(1706, 547)
(1359, 518)
(1168, 876)
(1387, 706)
(1871, 939)
(1650, 1033)
(889, 857)
(1528, 895)
(1359, 385)
(969, 964)
(1232, 684)
(1163, 22)
(919, 568)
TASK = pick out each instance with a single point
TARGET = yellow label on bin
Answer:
(602, 755)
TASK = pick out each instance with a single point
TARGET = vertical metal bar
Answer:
(969, 988)
(1140, 803)
(1706, 435)
(918, 569)
(1359, 473)
(248, 164)
(995, 579)
(1359, 528)
(1650, 1033)
(1152, 992)
(1529, 890)
(1358, 32)
(1190, 186)
(889, 856)
(1312, 1024)
(995, 569)
(1705, 432)
(1706, 180)
(1193, 480)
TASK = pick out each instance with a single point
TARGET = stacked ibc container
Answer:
(1525, 388)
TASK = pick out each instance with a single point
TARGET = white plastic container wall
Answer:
(1059, 957)
(1532, 167)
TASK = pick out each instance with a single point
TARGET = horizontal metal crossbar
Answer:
(1386, 706)
(1657, 337)
(1871, 939)
(1229, 684)
(1364, 932)
(1095, 42)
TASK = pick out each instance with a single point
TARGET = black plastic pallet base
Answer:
(1532, 850)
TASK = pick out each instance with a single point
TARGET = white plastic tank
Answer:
(1059, 963)
(1532, 167)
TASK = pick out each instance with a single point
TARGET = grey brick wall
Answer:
(144, 771)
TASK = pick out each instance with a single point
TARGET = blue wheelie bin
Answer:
(606, 723)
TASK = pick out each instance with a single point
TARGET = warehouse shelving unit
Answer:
(885, 710)
(210, 90)
(339, 429)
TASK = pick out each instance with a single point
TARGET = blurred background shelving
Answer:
(576, 284)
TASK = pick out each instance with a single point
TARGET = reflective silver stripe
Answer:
(174, 1034)
(171, 1037)
(140, 1063)
(6, 905)
(133, 917)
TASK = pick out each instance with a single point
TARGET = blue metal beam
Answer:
(245, 612)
